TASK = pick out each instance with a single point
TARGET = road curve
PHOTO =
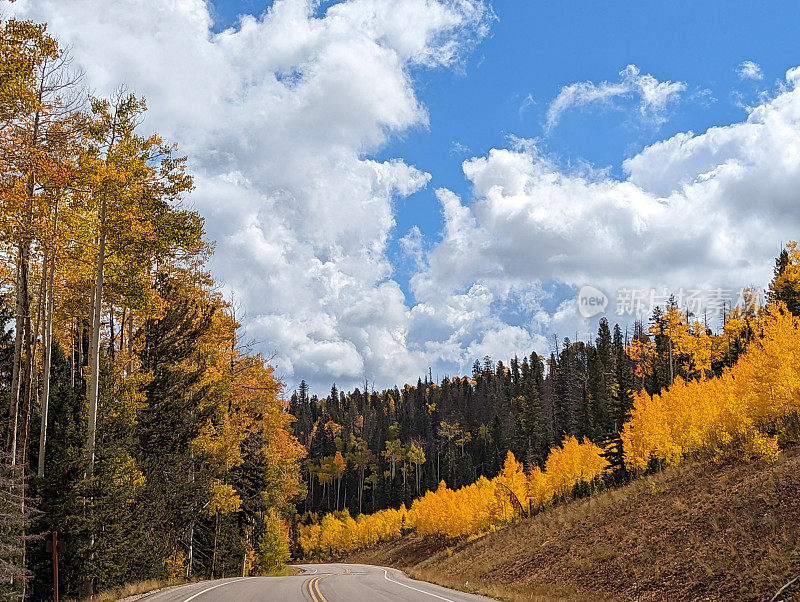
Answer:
(317, 583)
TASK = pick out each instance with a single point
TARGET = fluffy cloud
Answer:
(694, 211)
(654, 95)
(750, 70)
(279, 116)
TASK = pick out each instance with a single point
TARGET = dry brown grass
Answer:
(702, 531)
(132, 590)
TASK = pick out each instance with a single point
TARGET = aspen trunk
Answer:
(47, 352)
(19, 331)
(94, 345)
(20, 387)
(190, 558)
(122, 330)
(129, 368)
(26, 374)
(216, 535)
(73, 347)
(112, 334)
(32, 379)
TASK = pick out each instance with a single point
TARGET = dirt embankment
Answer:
(703, 531)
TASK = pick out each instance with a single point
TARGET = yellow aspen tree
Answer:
(133, 182)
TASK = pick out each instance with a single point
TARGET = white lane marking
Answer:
(208, 589)
(422, 591)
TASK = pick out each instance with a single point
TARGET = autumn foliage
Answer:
(748, 409)
(133, 414)
(471, 510)
(338, 532)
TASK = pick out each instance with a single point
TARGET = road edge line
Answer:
(214, 587)
(416, 589)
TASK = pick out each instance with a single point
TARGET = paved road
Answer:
(317, 583)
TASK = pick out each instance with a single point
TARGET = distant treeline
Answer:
(378, 449)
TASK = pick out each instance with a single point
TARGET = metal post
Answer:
(55, 566)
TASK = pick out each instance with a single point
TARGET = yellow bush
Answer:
(339, 533)
(175, 566)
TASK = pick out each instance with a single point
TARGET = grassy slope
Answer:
(701, 531)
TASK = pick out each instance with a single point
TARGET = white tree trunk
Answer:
(94, 345)
(16, 378)
(47, 350)
(47, 353)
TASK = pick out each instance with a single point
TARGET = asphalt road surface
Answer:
(317, 583)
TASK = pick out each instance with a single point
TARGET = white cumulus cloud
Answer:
(695, 211)
(283, 114)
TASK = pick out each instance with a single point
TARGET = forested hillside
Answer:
(707, 530)
(136, 423)
(732, 394)
(376, 449)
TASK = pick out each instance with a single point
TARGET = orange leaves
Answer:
(339, 465)
(220, 445)
(762, 446)
(455, 514)
(750, 409)
(689, 341)
(283, 454)
(512, 488)
(309, 539)
(739, 411)
(643, 353)
(240, 397)
(566, 466)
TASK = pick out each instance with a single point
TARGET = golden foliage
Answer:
(338, 533)
(472, 510)
(746, 409)
(224, 499)
(175, 565)
(749, 409)
(571, 464)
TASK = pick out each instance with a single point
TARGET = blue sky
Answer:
(536, 146)
(504, 86)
